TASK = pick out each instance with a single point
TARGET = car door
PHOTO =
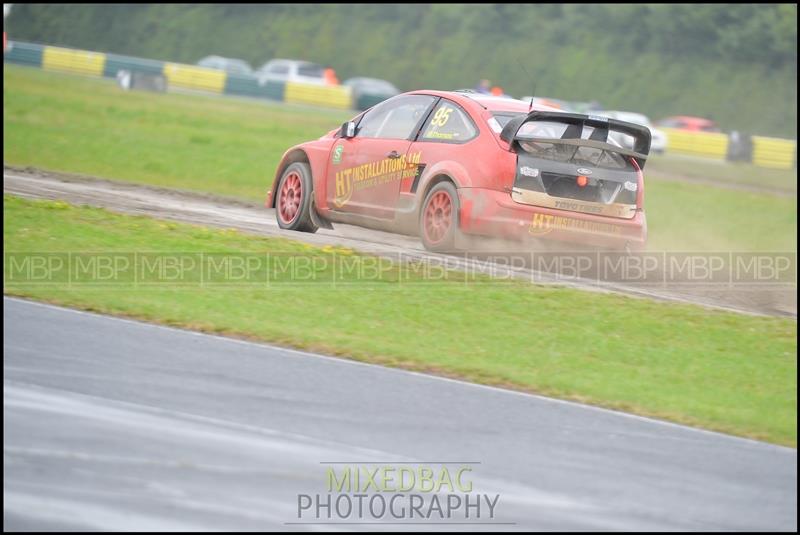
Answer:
(366, 170)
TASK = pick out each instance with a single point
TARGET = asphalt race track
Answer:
(204, 209)
(116, 424)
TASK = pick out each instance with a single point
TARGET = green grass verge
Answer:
(232, 146)
(205, 143)
(691, 217)
(722, 371)
(730, 173)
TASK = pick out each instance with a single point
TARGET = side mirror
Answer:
(348, 130)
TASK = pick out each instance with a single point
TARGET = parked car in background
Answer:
(370, 91)
(687, 122)
(291, 70)
(658, 139)
(231, 65)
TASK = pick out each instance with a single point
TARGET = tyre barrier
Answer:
(75, 61)
(774, 153)
(141, 81)
(193, 77)
(23, 53)
(177, 74)
(709, 145)
(116, 63)
(334, 96)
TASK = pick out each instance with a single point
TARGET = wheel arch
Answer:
(432, 182)
(292, 156)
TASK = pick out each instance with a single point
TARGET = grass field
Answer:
(723, 371)
(203, 143)
(232, 147)
(692, 217)
(731, 173)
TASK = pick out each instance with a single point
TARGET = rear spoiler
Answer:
(572, 135)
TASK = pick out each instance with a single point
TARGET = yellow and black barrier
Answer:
(74, 61)
(194, 77)
(707, 144)
(177, 75)
(332, 96)
(774, 152)
(762, 151)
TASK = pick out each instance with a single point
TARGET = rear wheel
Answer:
(293, 205)
(438, 222)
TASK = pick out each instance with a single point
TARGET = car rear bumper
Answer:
(493, 213)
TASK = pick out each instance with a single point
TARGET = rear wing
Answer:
(572, 135)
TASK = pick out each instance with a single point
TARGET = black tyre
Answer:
(294, 199)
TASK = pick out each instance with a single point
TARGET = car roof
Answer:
(470, 99)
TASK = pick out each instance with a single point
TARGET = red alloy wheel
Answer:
(438, 217)
(290, 198)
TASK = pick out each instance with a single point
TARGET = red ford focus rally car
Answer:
(443, 164)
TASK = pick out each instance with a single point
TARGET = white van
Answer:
(290, 70)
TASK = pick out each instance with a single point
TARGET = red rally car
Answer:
(444, 164)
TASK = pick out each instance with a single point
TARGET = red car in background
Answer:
(443, 164)
(686, 122)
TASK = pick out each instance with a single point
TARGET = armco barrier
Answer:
(710, 145)
(774, 152)
(334, 96)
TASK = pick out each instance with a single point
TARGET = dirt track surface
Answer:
(205, 209)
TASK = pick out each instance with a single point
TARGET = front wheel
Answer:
(294, 202)
(438, 221)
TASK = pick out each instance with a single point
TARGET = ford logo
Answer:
(584, 171)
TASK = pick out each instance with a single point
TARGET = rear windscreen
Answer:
(579, 155)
